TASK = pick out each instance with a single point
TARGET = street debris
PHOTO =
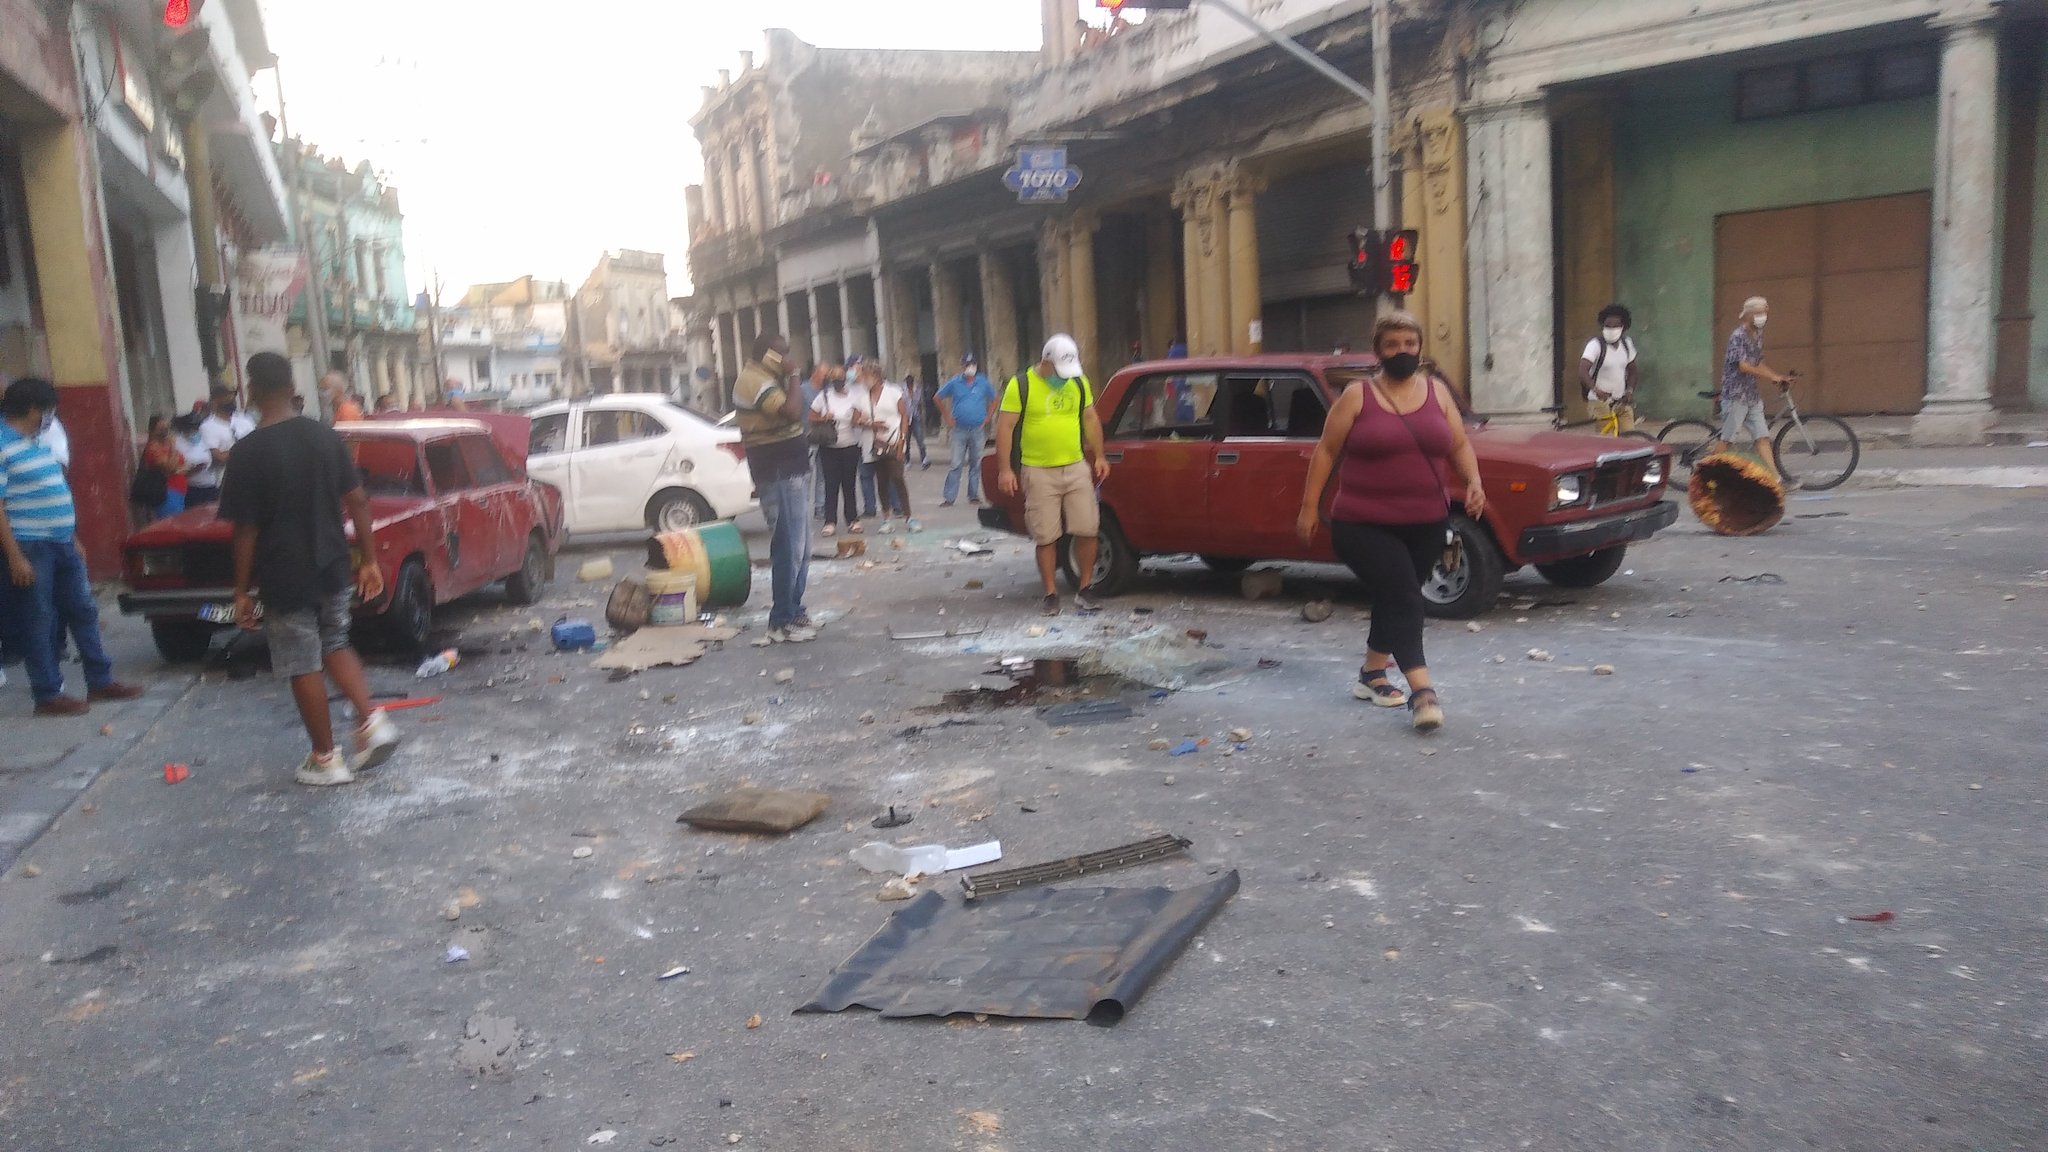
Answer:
(582, 853)
(1086, 712)
(890, 819)
(973, 548)
(1035, 631)
(1877, 917)
(984, 1121)
(408, 703)
(31, 871)
(573, 635)
(1074, 867)
(1160, 745)
(176, 773)
(594, 570)
(949, 722)
(1157, 659)
(1539, 655)
(451, 911)
(753, 718)
(1603, 669)
(753, 1021)
(1186, 748)
(925, 859)
(1759, 578)
(786, 676)
(1015, 958)
(1472, 626)
(1260, 584)
(456, 954)
(671, 647)
(757, 810)
(975, 628)
(896, 888)
(1240, 735)
(1317, 611)
(435, 665)
(629, 607)
(489, 1045)
(604, 1137)
(673, 973)
(867, 717)
(1198, 635)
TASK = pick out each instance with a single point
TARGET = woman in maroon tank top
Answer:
(1389, 443)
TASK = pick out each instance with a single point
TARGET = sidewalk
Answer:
(1992, 467)
(46, 762)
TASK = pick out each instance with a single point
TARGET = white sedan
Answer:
(632, 461)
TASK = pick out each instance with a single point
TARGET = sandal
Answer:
(1374, 688)
(856, 528)
(1428, 715)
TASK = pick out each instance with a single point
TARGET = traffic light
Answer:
(1402, 267)
(1384, 263)
(177, 13)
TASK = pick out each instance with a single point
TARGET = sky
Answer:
(531, 136)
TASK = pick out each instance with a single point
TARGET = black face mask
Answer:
(1401, 365)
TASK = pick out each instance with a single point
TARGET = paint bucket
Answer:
(715, 553)
(674, 598)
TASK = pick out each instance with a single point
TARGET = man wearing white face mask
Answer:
(1607, 370)
(1742, 405)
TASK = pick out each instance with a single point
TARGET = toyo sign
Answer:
(1042, 176)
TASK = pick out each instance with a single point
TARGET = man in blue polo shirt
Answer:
(965, 401)
(46, 587)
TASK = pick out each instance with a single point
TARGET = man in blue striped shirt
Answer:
(46, 586)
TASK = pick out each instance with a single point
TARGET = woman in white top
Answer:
(888, 437)
(848, 411)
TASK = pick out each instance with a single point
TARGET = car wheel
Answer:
(677, 509)
(1473, 586)
(181, 641)
(409, 619)
(1227, 565)
(1115, 564)
(1585, 571)
(525, 585)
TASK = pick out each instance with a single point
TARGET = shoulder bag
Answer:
(1454, 544)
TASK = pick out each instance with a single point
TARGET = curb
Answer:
(38, 806)
(1987, 477)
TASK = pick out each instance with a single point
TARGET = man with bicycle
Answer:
(1743, 419)
(1607, 371)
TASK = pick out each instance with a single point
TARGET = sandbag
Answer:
(1735, 496)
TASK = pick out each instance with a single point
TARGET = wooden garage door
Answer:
(1847, 283)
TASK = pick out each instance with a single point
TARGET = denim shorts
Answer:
(1742, 421)
(301, 639)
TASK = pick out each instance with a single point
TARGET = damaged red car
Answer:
(1209, 457)
(454, 512)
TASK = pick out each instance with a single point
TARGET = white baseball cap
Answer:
(1065, 355)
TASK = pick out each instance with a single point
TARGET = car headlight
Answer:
(1570, 489)
(163, 562)
(1654, 474)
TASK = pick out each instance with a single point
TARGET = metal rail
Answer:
(1109, 859)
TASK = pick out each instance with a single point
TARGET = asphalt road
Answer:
(1596, 912)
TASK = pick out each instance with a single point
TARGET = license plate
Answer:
(217, 613)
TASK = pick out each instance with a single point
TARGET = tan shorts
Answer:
(1056, 495)
(1598, 406)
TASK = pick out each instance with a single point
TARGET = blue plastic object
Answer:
(573, 635)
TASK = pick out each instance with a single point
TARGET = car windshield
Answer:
(389, 466)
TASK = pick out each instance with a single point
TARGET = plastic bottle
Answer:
(876, 856)
(435, 665)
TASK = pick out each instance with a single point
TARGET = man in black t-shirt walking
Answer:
(286, 485)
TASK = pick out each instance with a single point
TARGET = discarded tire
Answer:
(1735, 496)
(715, 553)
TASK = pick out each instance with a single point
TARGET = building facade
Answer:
(621, 339)
(133, 174)
(353, 231)
(1871, 166)
(504, 341)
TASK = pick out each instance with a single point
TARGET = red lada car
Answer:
(454, 511)
(1209, 457)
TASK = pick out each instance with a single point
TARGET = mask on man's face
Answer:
(1760, 318)
(1611, 334)
(971, 373)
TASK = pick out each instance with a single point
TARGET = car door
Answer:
(1271, 422)
(493, 485)
(471, 554)
(547, 450)
(613, 470)
(1161, 446)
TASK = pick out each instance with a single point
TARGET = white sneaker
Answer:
(888, 527)
(324, 771)
(376, 740)
(795, 635)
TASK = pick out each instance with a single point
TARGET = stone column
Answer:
(999, 306)
(1190, 199)
(821, 349)
(1960, 300)
(847, 335)
(380, 377)
(1438, 211)
(1084, 322)
(1054, 255)
(1247, 331)
(1509, 256)
(946, 320)
(1213, 233)
(885, 343)
(902, 322)
(782, 314)
(1161, 317)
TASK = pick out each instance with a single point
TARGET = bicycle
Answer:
(1824, 448)
(1608, 425)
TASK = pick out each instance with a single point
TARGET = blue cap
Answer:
(967, 361)
(855, 361)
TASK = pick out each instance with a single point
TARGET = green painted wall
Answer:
(2037, 360)
(1681, 159)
